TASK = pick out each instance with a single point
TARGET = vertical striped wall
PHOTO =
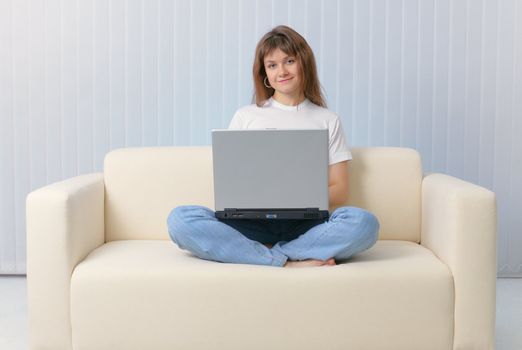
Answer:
(79, 78)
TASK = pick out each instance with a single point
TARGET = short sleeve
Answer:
(236, 122)
(338, 147)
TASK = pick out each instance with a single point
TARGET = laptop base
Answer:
(273, 214)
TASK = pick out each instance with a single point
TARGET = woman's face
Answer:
(283, 74)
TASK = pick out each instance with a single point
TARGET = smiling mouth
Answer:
(282, 81)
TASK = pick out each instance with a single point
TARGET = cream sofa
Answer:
(103, 274)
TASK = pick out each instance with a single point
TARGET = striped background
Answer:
(79, 78)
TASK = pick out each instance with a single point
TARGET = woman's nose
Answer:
(283, 71)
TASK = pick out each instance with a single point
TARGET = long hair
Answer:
(292, 43)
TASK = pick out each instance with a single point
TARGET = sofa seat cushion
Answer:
(149, 294)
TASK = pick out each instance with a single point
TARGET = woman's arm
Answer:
(338, 184)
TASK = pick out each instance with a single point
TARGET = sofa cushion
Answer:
(142, 185)
(156, 294)
(387, 181)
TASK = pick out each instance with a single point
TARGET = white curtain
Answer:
(79, 78)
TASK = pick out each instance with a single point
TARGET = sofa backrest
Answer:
(142, 186)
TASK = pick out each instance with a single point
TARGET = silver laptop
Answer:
(270, 174)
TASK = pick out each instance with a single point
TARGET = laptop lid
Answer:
(270, 173)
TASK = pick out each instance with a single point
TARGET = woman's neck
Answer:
(288, 100)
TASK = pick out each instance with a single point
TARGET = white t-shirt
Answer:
(306, 115)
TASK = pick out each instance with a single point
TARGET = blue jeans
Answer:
(195, 228)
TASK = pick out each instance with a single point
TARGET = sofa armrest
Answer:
(65, 222)
(459, 226)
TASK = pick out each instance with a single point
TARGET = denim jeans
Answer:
(195, 228)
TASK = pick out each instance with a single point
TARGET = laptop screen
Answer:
(270, 168)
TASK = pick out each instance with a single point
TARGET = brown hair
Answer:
(292, 43)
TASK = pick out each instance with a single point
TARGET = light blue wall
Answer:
(78, 78)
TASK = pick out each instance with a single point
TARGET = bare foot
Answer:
(310, 262)
(330, 262)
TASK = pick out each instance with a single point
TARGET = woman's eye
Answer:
(291, 61)
(271, 66)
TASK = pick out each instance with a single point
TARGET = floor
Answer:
(13, 313)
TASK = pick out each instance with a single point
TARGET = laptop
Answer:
(270, 174)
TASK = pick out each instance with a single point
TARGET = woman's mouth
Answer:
(285, 80)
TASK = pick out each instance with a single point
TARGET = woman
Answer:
(287, 95)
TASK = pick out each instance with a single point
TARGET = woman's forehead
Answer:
(276, 55)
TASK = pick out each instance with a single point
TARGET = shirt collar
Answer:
(272, 102)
